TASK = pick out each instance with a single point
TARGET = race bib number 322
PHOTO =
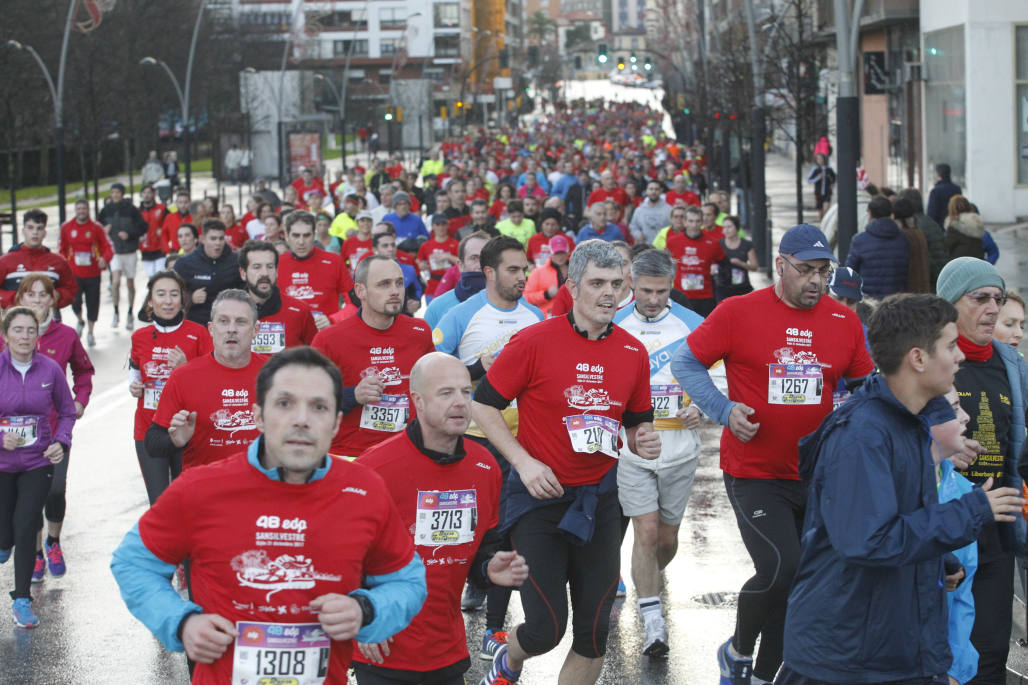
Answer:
(280, 654)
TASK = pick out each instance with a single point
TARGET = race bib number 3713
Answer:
(446, 517)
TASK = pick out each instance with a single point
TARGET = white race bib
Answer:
(25, 427)
(794, 384)
(280, 654)
(437, 260)
(446, 517)
(389, 414)
(152, 393)
(666, 400)
(692, 281)
(83, 258)
(542, 256)
(591, 433)
(738, 276)
(270, 338)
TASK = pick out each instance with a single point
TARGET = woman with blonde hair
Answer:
(964, 229)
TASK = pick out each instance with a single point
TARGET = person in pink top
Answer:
(61, 343)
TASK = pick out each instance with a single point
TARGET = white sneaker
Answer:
(656, 643)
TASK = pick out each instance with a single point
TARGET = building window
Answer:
(341, 48)
(346, 20)
(447, 16)
(447, 46)
(1021, 94)
(391, 17)
(945, 116)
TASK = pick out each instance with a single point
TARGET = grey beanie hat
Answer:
(963, 274)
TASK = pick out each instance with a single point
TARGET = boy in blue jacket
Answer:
(868, 601)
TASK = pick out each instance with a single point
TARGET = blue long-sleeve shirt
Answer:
(990, 248)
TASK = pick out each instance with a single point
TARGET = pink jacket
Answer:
(62, 344)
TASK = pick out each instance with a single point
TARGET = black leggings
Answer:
(56, 503)
(791, 677)
(993, 590)
(370, 674)
(497, 596)
(22, 496)
(770, 517)
(89, 288)
(157, 472)
(554, 563)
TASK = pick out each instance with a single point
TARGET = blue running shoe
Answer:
(5, 554)
(622, 590)
(499, 674)
(23, 616)
(54, 559)
(491, 643)
(39, 571)
(734, 671)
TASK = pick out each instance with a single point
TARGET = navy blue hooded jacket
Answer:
(881, 255)
(867, 604)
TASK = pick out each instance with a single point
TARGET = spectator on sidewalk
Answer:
(943, 190)
(233, 158)
(881, 253)
(965, 230)
(938, 255)
(823, 177)
(153, 170)
(919, 273)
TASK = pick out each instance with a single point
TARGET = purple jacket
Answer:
(30, 402)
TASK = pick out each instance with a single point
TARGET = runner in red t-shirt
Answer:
(316, 277)
(85, 245)
(577, 380)
(695, 254)
(608, 190)
(438, 253)
(281, 320)
(151, 245)
(292, 554)
(680, 193)
(158, 349)
(356, 246)
(206, 405)
(786, 350)
(305, 183)
(447, 491)
(375, 352)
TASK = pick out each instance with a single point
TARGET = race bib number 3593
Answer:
(280, 654)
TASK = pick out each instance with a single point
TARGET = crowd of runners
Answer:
(373, 401)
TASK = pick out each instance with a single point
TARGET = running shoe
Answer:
(499, 674)
(23, 616)
(39, 571)
(79, 327)
(474, 598)
(734, 671)
(129, 323)
(622, 590)
(54, 559)
(5, 554)
(656, 643)
(90, 339)
(491, 643)
(114, 321)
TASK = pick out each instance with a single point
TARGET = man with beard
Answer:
(577, 379)
(282, 321)
(374, 351)
(786, 349)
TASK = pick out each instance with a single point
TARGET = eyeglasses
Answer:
(805, 270)
(982, 299)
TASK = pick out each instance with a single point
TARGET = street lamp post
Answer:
(339, 106)
(183, 95)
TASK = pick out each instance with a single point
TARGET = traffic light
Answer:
(717, 115)
(648, 64)
(686, 110)
(633, 59)
(388, 113)
(504, 59)
(601, 57)
(621, 63)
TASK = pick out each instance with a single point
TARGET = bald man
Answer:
(447, 490)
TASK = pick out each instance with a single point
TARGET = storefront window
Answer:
(945, 114)
(1021, 105)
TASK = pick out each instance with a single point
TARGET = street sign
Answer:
(502, 82)
(487, 98)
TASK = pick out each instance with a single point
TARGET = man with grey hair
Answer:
(594, 376)
(654, 493)
(205, 407)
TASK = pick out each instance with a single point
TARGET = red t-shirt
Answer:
(360, 350)
(82, 245)
(154, 217)
(223, 400)
(616, 194)
(432, 251)
(562, 301)
(694, 259)
(318, 281)
(353, 250)
(260, 550)
(563, 382)
(291, 326)
(424, 492)
(762, 341)
(539, 248)
(236, 236)
(686, 196)
(169, 231)
(149, 354)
